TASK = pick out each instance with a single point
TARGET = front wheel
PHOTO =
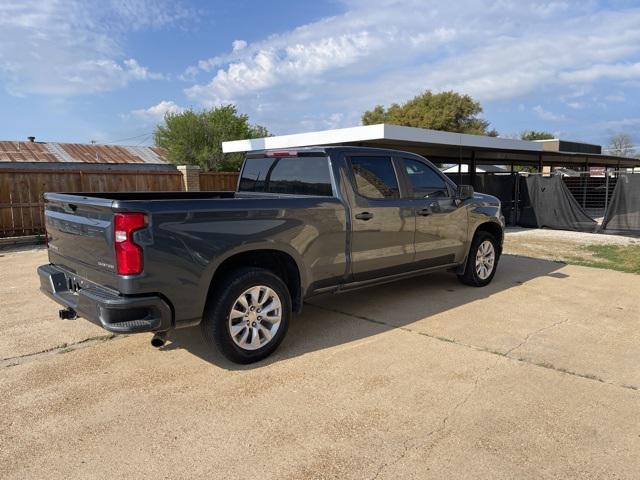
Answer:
(248, 315)
(482, 260)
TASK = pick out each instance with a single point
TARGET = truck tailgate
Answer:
(80, 233)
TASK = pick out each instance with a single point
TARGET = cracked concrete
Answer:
(64, 348)
(533, 334)
(419, 379)
(506, 354)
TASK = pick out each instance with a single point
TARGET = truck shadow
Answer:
(332, 320)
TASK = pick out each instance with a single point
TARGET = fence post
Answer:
(190, 177)
(606, 189)
(517, 199)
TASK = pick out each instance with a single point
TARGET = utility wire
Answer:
(145, 139)
(129, 138)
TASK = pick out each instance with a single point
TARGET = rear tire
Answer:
(482, 260)
(247, 315)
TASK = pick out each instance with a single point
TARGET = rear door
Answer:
(441, 227)
(382, 220)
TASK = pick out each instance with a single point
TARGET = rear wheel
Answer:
(482, 260)
(248, 315)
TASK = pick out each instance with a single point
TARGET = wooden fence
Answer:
(218, 181)
(21, 203)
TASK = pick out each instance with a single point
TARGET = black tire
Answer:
(215, 322)
(470, 275)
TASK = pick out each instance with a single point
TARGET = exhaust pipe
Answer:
(159, 339)
(67, 314)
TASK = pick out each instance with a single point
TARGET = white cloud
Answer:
(546, 115)
(381, 51)
(622, 71)
(238, 45)
(140, 14)
(189, 74)
(156, 113)
(271, 66)
(71, 47)
(622, 124)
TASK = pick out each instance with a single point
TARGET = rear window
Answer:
(287, 175)
(375, 177)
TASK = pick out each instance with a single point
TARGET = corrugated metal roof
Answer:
(25, 152)
(78, 152)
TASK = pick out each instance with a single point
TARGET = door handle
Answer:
(425, 212)
(364, 216)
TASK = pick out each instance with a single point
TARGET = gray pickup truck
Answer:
(302, 222)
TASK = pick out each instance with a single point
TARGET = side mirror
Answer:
(464, 192)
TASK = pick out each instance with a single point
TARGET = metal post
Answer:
(472, 169)
(606, 189)
(517, 199)
(584, 184)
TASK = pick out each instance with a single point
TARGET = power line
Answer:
(146, 138)
(129, 138)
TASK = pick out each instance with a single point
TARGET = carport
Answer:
(451, 148)
(591, 184)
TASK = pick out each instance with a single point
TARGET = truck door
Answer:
(441, 227)
(382, 221)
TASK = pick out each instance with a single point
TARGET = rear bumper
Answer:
(104, 307)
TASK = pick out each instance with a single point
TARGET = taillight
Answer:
(128, 254)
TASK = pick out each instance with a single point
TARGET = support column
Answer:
(190, 177)
(472, 169)
(539, 163)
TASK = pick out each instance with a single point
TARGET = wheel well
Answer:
(494, 229)
(280, 263)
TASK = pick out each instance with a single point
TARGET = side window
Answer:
(424, 180)
(293, 176)
(375, 177)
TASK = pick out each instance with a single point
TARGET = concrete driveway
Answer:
(535, 376)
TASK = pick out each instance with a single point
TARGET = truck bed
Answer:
(148, 195)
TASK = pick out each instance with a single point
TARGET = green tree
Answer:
(535, 135)
(195, 137)
(448, 111)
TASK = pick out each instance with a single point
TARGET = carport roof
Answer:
(380, 132)
(439, 146)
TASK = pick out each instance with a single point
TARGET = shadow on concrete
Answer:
(325, 321)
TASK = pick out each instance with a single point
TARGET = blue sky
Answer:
(108, 70)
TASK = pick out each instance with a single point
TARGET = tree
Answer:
(196, 138)
(535, 135)
(621, 145)
(449, 111)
